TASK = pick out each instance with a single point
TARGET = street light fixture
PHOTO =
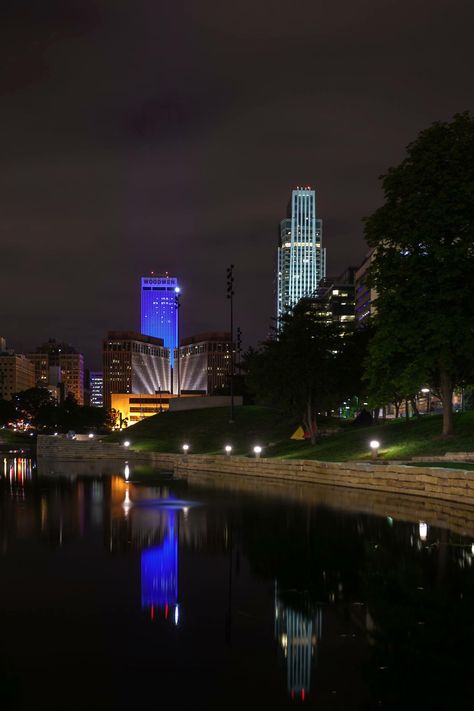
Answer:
(257, 451)
(185, 448)
(228, 449)
(374, 446)
(126, 443)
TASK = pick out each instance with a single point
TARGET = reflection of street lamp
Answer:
(423, 530)
(374, 446)
(427, 392)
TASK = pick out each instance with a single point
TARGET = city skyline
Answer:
(169, 138)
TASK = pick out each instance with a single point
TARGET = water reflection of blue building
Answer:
(159, 573)
(298, 634)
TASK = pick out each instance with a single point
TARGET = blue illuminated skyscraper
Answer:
(301, 256)
(159, 310)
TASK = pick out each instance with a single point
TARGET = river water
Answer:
(130, 590)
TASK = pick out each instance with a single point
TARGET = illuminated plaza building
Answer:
(301, 257)
(134, 363)
(205, 362)
(159, 311)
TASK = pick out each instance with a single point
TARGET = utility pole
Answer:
(230, 296)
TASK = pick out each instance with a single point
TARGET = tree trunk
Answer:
(414, 407)
(397, 410)
(309, 422)
(447, 398)
(407, 411)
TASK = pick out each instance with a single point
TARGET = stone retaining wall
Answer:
(454, 485)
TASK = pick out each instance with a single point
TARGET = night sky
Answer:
(142, 135)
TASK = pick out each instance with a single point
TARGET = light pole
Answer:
(158, 392)
(230, 296)
(427, 392)
(177, 305)
(239, 346)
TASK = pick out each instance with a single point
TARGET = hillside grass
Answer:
(15, 439)
(208, 431)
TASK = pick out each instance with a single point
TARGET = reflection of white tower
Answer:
(298, 635)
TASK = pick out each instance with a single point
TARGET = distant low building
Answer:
(205, 363)
(134, 407)
(17, 373)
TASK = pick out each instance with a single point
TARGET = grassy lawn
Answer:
(14, 439)
(208, 431)
(446, 465)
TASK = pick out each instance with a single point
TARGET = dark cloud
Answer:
(150, 135)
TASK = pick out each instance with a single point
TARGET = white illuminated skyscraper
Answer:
(301, 257)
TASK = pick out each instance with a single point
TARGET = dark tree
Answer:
(297, 371)
(423, 238)
(32, 403)
(7, 412)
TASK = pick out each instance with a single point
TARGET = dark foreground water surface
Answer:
(119, 595)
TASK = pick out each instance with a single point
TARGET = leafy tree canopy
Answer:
(423, 237)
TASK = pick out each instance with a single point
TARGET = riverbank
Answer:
(455, 485)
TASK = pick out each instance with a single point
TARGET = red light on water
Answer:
(302, 695)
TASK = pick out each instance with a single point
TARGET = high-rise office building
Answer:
(160, 311)
(63, 356)
(301, 256)
(365, 296)
(334, 300)
(96, 388)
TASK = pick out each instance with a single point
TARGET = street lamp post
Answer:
(427, 392)
(230, 296)
(177, 304)
(158, 392)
